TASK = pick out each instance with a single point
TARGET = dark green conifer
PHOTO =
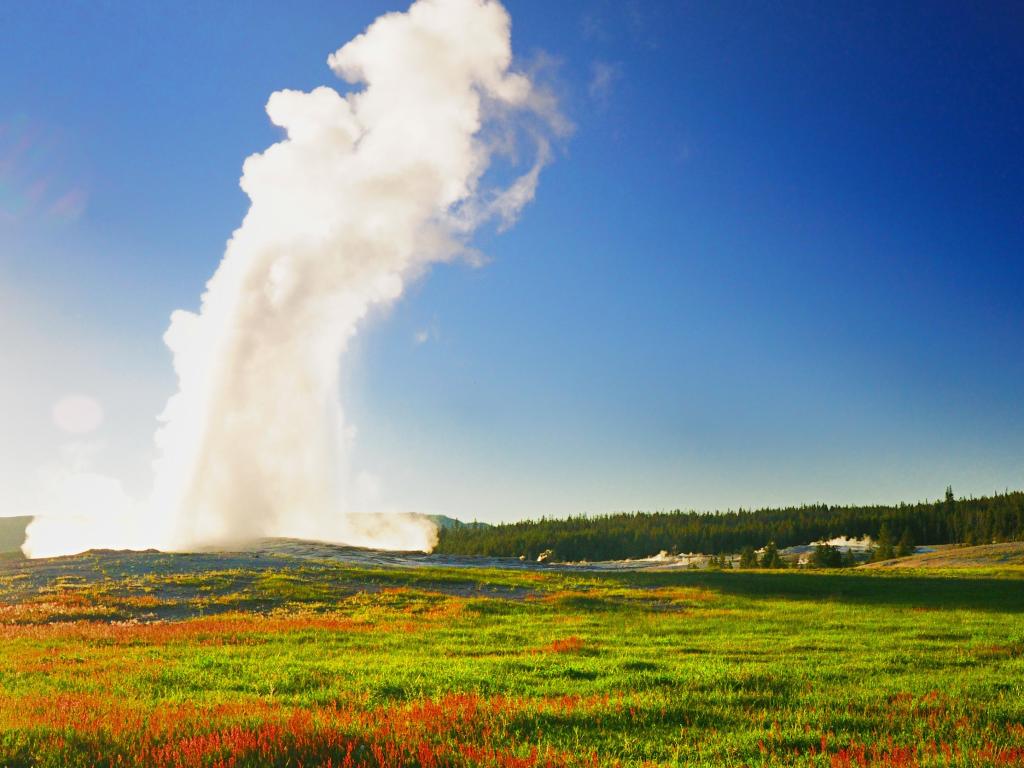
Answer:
(884, 549)
(906, 545)
(748, 557)
(770, 558)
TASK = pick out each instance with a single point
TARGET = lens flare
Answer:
(77, 414)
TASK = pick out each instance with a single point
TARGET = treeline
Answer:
(642, 534)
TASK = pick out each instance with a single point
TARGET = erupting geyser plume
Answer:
(365, 191)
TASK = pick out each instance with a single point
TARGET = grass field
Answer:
(332, 665)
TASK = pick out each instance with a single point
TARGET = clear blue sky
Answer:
(780, 260)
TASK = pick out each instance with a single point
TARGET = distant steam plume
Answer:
(366, 190)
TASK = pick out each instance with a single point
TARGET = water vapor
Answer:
(367, 188)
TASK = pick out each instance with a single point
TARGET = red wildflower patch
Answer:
(455, 730)
(572, 644)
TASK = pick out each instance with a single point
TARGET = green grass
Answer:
(684, 668)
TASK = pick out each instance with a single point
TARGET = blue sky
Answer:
(778, 261)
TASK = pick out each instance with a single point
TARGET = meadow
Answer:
(320, 664)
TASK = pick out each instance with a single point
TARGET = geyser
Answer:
(365, 191)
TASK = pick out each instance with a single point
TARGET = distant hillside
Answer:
(643, 534)
(12, 533)
(443, 522)
(953, 556)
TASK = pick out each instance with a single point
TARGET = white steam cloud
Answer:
(366, 190)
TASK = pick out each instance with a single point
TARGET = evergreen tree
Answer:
(720, 562)
(826, 556)
(748, 557)
(906, 545)
(884, 549)
(770, 558)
